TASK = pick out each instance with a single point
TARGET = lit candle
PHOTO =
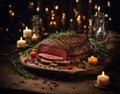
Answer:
(46, 9)
(21, 43)
(34, 37)
(27, 32)
(93, 60)
(90, 22)
(98, 8)
(102, 80)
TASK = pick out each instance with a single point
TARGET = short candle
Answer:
(21, 43)
(102, 80)
(34, 37)
(93, 60)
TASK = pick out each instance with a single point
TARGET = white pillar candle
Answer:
(34, 37)
(21, 43)
(27, 32)
(102, 80)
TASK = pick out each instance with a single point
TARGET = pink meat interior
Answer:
(53, 51)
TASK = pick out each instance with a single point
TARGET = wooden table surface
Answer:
(12, 82)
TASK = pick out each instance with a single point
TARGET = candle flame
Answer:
(92, 56)
(103, 73)
(26, 27)
(90, 22)
(99, 8)
(46, 9)
(20, 38)
(34, 34)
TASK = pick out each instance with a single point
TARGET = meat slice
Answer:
(53, 51)
(54, 62)
(50, 57)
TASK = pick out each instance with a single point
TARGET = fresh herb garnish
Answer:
(62, 33)
(98, 47)
(21, 70)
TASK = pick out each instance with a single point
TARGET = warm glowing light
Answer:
(26, 28)
(54, 23)
(13, 14)
(110, 19)
(52, 18)
(32, 3)
(84, 26)
(63, 15)
(56, 7)
(78, 18)
(96, 6)
(21, 38)
(103, 73)
(77, 1)
(53, 14)
(106, 15)
(52, 11)
(90, 22)
(90, 1)
(50, 23)
(46, 9)
(10, 5)
(10, 11)
(71, 20)
(108, 3)
(38, 9)
(7, 29)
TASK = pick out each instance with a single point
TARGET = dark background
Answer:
(23, 14)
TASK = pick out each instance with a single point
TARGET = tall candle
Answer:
(102, 80)
(21, 43)
(93, 60)
(27, 32)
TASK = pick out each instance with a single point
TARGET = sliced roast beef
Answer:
(50, 57)
(53, 51)
(55, 62)
(64, 49)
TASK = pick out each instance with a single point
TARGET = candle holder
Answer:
(21, 49)
(28, 40)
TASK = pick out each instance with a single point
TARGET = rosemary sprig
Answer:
(98, 47)
(20, 69)
(62, 33)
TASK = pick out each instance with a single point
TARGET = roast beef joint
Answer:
(63, 50)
